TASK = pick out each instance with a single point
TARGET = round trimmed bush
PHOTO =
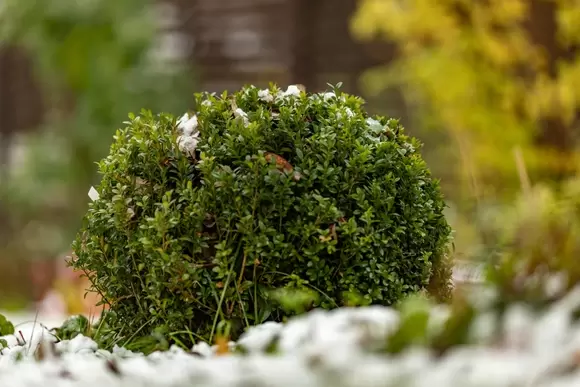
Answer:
(199, 219)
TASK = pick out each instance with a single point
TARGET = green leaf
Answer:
(72, 327)
(6, 327)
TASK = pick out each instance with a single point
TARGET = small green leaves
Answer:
(72, 327)
(290, 201)
(295, 300)
(6, 327)
(412, 329)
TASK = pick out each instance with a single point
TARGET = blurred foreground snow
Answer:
(24, 318)
(329, 349)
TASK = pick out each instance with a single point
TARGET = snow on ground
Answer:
(49, 320)
(321, 349)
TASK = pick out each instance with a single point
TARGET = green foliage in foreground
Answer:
(6, 328)
(263, 190)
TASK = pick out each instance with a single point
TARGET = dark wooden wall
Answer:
(229, 43)
(21, 107)
(236, 42)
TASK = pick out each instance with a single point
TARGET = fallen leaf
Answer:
(282, 164)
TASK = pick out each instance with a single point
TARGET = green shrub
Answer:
(199, 219)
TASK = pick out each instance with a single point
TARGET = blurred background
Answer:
(492, 88)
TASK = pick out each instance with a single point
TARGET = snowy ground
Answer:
(322, 349)
(49, 320)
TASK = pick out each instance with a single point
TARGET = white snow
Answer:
(239, 113)
(93, 194)
(328, 96)
(23, 319)
(79, 344)
(323, 349)
(265, 95)
(292, 90)
(468, 272)
(189, 138)
(188, 144)
(187, 124)
(26, 339)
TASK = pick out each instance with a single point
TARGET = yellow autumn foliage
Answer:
(475, 69)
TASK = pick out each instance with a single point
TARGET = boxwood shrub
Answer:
(200, 218)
